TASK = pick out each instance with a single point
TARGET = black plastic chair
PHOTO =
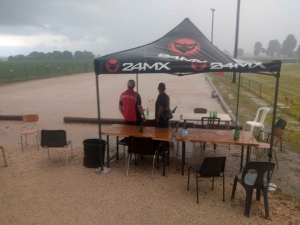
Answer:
(124, 142)
(254, 180)
(140, 146)
(281, 123)
(210, 123)
(5, 163)
(211, 167)
(158, 144)
(55, 139)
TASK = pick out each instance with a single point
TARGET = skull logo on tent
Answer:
(197, 67)
(184, 46)
(113, 66)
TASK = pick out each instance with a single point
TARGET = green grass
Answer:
(249, 100)
(29, 70)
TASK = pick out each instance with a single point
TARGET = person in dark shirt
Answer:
(162, 101)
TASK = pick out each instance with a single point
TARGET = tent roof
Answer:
(183, 50)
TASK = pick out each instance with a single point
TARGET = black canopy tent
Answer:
(182, 51)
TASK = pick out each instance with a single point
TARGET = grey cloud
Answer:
(130, 23)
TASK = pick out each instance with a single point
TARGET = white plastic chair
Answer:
(259, 119)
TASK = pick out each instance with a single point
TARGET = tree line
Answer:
(274, 47)
(55, 55)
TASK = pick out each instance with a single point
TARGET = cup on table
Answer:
(241, 136)
(183, 132)
(251, 139)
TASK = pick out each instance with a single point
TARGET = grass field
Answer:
(28, 70)
(262, 89)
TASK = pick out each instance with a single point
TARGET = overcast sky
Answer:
(108, 26)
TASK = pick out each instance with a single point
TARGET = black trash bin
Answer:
(92, 149)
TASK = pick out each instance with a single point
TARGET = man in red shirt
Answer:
(130, 105)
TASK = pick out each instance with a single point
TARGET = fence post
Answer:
(249, 84)
(260, 89)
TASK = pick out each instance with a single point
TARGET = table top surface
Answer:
(122, 130)
(217, 137)
(191, 116)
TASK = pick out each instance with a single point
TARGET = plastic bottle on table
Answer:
(235, 136)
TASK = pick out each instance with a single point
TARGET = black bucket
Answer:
(92, 149)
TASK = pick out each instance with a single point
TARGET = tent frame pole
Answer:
(237, 101)
(99, 119)
(137, 82)
(274, 116)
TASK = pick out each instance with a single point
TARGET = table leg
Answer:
(164, 158)
(183, 158)
(227, 125)
(242, 158)
(117, 146)
(248, 153)
(107, 148)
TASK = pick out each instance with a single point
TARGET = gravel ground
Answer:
(75, 194)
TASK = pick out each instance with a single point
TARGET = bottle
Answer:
(147, 112)
(210, 114)
(235, 136)
(181, 116)
(141, 127)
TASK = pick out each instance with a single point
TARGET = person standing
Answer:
(162, 101)
(130, 105)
